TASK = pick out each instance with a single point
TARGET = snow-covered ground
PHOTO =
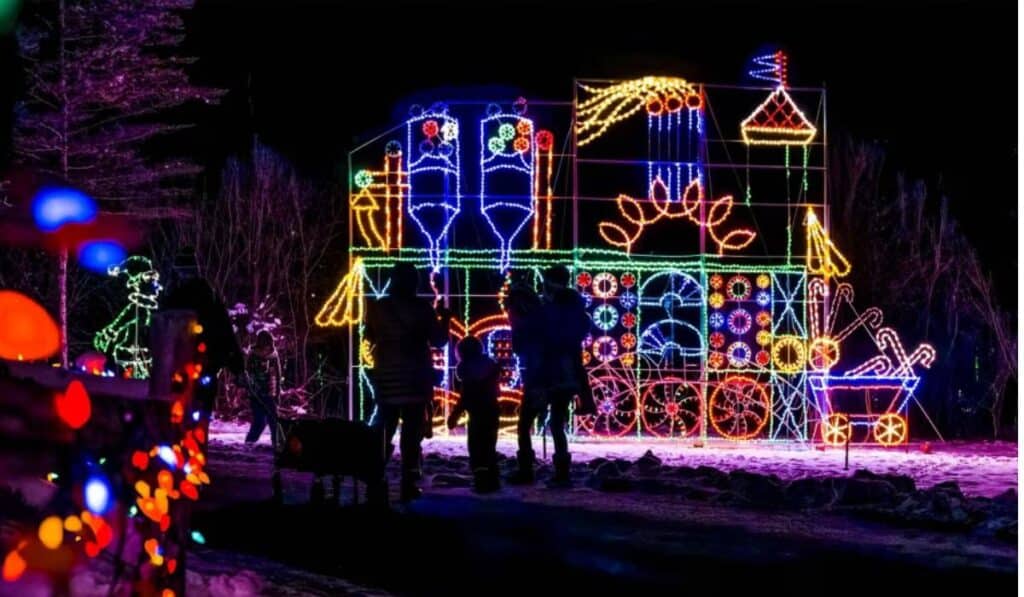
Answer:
(981, 468)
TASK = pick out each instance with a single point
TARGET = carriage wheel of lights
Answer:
(824, 352)
(836, 429)
(890, 429)
(615, 399)
(739, 408)
(671, 407)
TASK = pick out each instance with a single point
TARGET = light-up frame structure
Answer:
(706, 343)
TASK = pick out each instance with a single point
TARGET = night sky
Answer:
(934, 82)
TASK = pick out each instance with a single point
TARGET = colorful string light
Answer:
(610, 105)
(639, 217)
(433, 163)
(346, 304)
(388, 186)
(125, 336)
(777, 120)
(823, 258)
(663, 337)
(509, 206)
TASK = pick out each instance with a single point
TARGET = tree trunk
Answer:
(62, 276)
(62, 282)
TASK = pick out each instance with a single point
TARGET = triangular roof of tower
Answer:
(777, 121)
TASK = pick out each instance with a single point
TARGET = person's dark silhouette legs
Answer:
(482, 439)
(525, 456)
(413, 423)
(385, 416)
(557, 423)
(259, 420)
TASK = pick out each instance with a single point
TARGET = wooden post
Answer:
(849, 434)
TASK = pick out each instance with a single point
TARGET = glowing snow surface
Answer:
(981, 468)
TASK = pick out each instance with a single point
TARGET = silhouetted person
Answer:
(526, 318)
(402, 328)
(566, 324)
(263, 387)
(478, 380)
(217, 335)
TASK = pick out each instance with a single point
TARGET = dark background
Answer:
(934, 82)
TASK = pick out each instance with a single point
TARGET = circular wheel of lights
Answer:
(740, 322)
(605, 317)
(789, 354)
(738, 354)
(605, 349)
(824, 352)
(615, 399)
(671, 407)
(604, 285)
(739, 288)
(628, 299)
(738, 408)
(890, 430)
(835, 429)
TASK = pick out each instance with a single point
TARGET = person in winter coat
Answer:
(478, 378)
(263, 386)
(402, 328)
(525, 314)
(547, 335)
(566, 324)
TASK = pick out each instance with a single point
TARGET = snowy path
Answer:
(451, 540)
(980, 468)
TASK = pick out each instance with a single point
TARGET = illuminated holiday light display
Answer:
(886, 425)
(704, 344)
(739, 408)
(345, 305)
(777, 120)
(508, 185)
(691, 207)
(823, 258)
(770, 67)
(388, 187)
(435, 195)
(615, 103)
(124, 337)
(542, 215)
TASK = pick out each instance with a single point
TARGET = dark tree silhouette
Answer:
(913, 260)
(100, 76)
